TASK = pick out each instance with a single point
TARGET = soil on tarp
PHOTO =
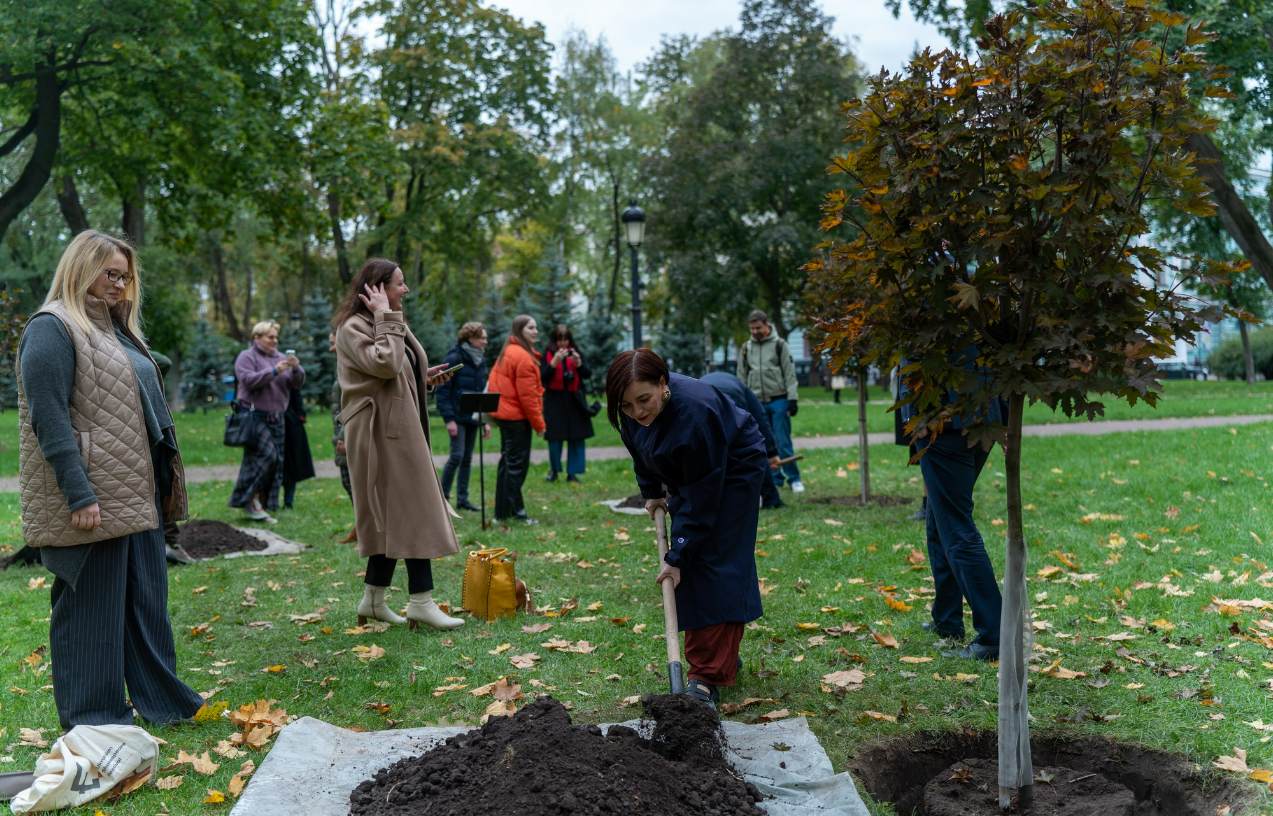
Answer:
(205, 538)
(956, 774)
(537, 763)
(637, 501)
(856, 501)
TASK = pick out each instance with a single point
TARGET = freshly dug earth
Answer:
(913, 774)
(637, 501)
(205, 538)
(856, 501)
(537, 763)
(971, 788)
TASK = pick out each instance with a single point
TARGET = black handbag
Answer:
(591, 410)
(240, 427)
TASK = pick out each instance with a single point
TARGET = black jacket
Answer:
(468, 380)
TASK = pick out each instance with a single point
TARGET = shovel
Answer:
(675, 675)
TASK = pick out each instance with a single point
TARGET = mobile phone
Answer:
(290, 353)
(450, 370)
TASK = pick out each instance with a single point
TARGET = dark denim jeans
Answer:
(460, 461)
(576, 456)
(777, 412)
(956, 552)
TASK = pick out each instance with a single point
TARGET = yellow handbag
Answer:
(490, 589)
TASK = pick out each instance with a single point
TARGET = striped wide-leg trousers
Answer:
(111, 640)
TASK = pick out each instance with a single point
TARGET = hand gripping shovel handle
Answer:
(671, 633)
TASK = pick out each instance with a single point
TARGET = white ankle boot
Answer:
(373, 606)
(422, 609)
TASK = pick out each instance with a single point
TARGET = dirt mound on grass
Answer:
(205, 538)
(856, 501)
(537, 763)
(956, 772)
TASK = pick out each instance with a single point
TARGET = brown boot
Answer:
(352, 538)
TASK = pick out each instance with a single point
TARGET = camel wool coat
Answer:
(399, 509)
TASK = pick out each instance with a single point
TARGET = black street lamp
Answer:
(634, 226)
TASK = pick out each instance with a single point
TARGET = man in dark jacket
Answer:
(746, 399)
(461, 428)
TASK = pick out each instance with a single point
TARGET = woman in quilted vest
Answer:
(515, 377)
(99, 474)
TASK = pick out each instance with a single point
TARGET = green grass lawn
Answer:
(200, 434)
(1182, 517)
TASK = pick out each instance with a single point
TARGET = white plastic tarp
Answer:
(314, 765)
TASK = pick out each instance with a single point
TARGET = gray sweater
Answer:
(48, 376)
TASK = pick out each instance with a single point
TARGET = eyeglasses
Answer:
(116, 277)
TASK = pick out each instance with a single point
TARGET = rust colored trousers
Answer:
(712, 653)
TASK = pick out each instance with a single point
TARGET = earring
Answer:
(667, 394)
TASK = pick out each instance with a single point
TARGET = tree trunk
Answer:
(224, 304)
(1233, 212)
(68, 200)
(338, 235)
(864, 450)
(1016, 771)
(133, 221)
(1248, 359)
(247, 306)
(618, 248)
(707, 345)
(48, 127)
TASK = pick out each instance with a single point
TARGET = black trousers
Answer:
(419, 573)
(460, 462)
(111, 640)
(514, 462)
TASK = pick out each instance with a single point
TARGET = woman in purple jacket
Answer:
(264, 378)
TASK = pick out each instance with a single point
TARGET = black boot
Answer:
(922, 513)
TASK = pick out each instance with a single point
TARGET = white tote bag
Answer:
(88, 762)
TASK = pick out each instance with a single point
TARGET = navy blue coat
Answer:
(742, 396)
(710, 456)
(468, 380)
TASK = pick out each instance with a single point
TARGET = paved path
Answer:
(326, 469)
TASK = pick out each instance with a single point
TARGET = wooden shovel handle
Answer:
(670, 629)
(790, 459)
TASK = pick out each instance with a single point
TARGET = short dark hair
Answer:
(635, 365)
(561, 332)
(757, 315)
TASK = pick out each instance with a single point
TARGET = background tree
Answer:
(737, 180)
(1004, 198)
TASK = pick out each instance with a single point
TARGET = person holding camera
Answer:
(567, 417)
(266, 377)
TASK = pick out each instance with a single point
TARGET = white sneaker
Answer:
(256, 512)
(797, 487)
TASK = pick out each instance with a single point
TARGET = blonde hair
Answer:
(262, 327)
(87, 257)
(469, 330)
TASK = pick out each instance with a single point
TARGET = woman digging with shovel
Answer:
(699, 458)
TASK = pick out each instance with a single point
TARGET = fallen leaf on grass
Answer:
(170, 782)
(536, 628)
(734, 708)
(1060, 672)
(911, 659)
(853, 678)
(523, 661)
(1235, 763)
(773, 716)
(500, 649)
(958, 677)
(36, 583)
(237, 784)
(887, 641)
(867, 716)
(633, 700)
(202, 764)
(274, 669)
(369, 653)
(32, 738)
(226, 749)
(215, 797)
(1261, 775)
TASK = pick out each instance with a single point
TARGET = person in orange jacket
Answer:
(515, 376)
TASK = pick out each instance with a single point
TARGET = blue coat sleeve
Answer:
(703, 456)
(448, 393)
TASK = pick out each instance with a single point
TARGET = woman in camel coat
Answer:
(399, 509)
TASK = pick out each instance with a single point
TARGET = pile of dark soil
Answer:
(205, 538)
(957, 774)
(537, 763)
(637, 501)
(856, 501)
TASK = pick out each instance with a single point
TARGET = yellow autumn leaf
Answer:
(214, 797)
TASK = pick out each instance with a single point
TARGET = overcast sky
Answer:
(633, 27)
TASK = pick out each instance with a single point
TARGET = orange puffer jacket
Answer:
(516, 378)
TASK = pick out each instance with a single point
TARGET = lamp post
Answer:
(634, 226)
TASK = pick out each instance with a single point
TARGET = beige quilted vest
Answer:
(108, 419)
